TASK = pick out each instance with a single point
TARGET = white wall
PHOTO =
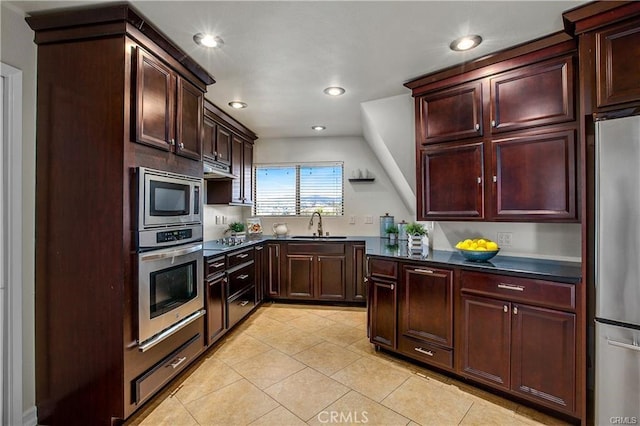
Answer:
(19, 51)
(360, 198)
(216, 219)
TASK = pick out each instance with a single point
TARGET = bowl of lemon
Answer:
(478, 249)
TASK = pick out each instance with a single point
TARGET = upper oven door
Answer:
(167, 199)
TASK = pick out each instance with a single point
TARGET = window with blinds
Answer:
(298, 189)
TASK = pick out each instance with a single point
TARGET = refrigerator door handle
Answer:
(623, 345)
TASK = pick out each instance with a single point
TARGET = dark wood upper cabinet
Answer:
(189, 120)
(451, 114)
(534, 175)
(223, 145)
(517, 94)
(618, 64)
(534, 95)
(217, 139)
(450, 181)
(169, 109)
(155, 100)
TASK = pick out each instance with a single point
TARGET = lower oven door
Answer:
(170, 290)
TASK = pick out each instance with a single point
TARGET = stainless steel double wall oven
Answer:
(169, 251)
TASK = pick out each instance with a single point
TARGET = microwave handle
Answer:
(169, 253)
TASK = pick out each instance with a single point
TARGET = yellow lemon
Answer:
(460, 244)
(481, 249)
(492, 246)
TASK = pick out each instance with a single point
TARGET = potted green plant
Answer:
(392, 233)
(237, 230)
(417, 237)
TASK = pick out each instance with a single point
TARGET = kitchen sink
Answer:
(315, 237)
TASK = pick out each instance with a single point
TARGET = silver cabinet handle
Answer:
(242, 256)
(366, 280)
(168, 253)
(512, 287)
(423, 271)
(505, 308)
(515, 310)
(477, 126)
(178, 362)
(148, 344)
(217, 265)
(172, 142)
(623, 345)
(244, 303)
(181, 145)
(493, 123)
(479, 179)
(243, 277)
(423, 351)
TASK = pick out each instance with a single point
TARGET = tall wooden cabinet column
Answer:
(91, 133)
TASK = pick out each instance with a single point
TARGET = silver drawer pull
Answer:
(244, 303)
(242, 256)
(505, 308)
(623, 345)
(178, 362)
(423, 271)
(423, 351)
(511, 287)
(218, 265)
(243, 277)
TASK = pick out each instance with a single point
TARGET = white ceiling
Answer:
(278, 56)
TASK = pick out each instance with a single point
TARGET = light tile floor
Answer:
(296, 365)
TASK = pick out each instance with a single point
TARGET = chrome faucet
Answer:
(319, 222)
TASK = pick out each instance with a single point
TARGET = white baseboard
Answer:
(30, 417)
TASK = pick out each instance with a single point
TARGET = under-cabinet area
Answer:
(516, 334)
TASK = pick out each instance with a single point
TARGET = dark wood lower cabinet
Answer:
(216, 307)
(516, 335)
(486, 340)
(382, 310)
(543, 355)
(316, 271)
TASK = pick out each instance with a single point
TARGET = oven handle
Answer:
(148, 344)
(169, 253)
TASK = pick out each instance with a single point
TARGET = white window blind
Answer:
(299, 189)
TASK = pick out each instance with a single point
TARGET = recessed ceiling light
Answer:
(334, 91)
(465, 43)
(208, 40)
(318, 128)
(237, 105)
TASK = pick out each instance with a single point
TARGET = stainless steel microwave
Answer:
(168, 199)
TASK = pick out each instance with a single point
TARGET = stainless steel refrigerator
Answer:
(617, 271)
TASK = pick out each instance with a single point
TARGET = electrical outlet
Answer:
(368, 219)
(505, 239)
(352, 220)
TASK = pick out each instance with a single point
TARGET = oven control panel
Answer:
(170, 236)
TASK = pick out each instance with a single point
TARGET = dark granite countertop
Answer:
(556, 270)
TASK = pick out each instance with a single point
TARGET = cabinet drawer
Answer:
(315, 248)
(240, 279)
(166, 369)
(214, 265)
(239, 307)
(383, 268)
(422, 351)
(539, 292)
(239, 257)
